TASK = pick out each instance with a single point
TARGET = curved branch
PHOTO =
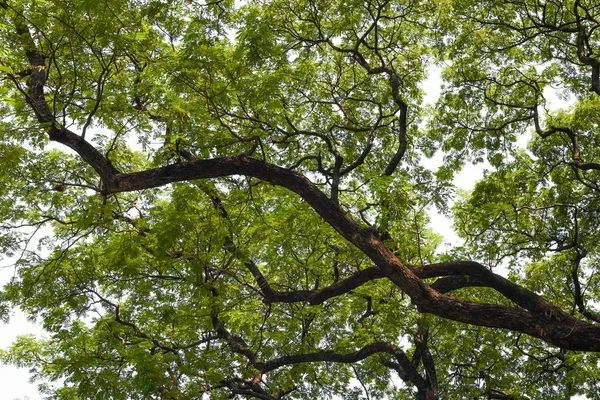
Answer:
(542, 320)
(331, 356)
(478, 275)
(363, 155)
(36, 98)
(314, 297)
(583, 55)
(537, 317)
(271, 295)
(402, 121)
(407, 369)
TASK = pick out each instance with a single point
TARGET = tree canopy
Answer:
(232, 199)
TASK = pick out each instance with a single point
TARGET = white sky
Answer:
(14, 382)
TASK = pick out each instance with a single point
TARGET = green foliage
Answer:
(163, 293)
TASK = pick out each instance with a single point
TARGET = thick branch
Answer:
(331, 356)
(541, 319)
(37, 100)
(402, 122)
(430, 372)
(583, 55)
(537, 318)
(315, 297)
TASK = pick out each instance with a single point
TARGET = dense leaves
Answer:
(232, 199)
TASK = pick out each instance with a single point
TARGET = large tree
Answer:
(232, 199)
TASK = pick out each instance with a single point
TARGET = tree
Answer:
(230, 199)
